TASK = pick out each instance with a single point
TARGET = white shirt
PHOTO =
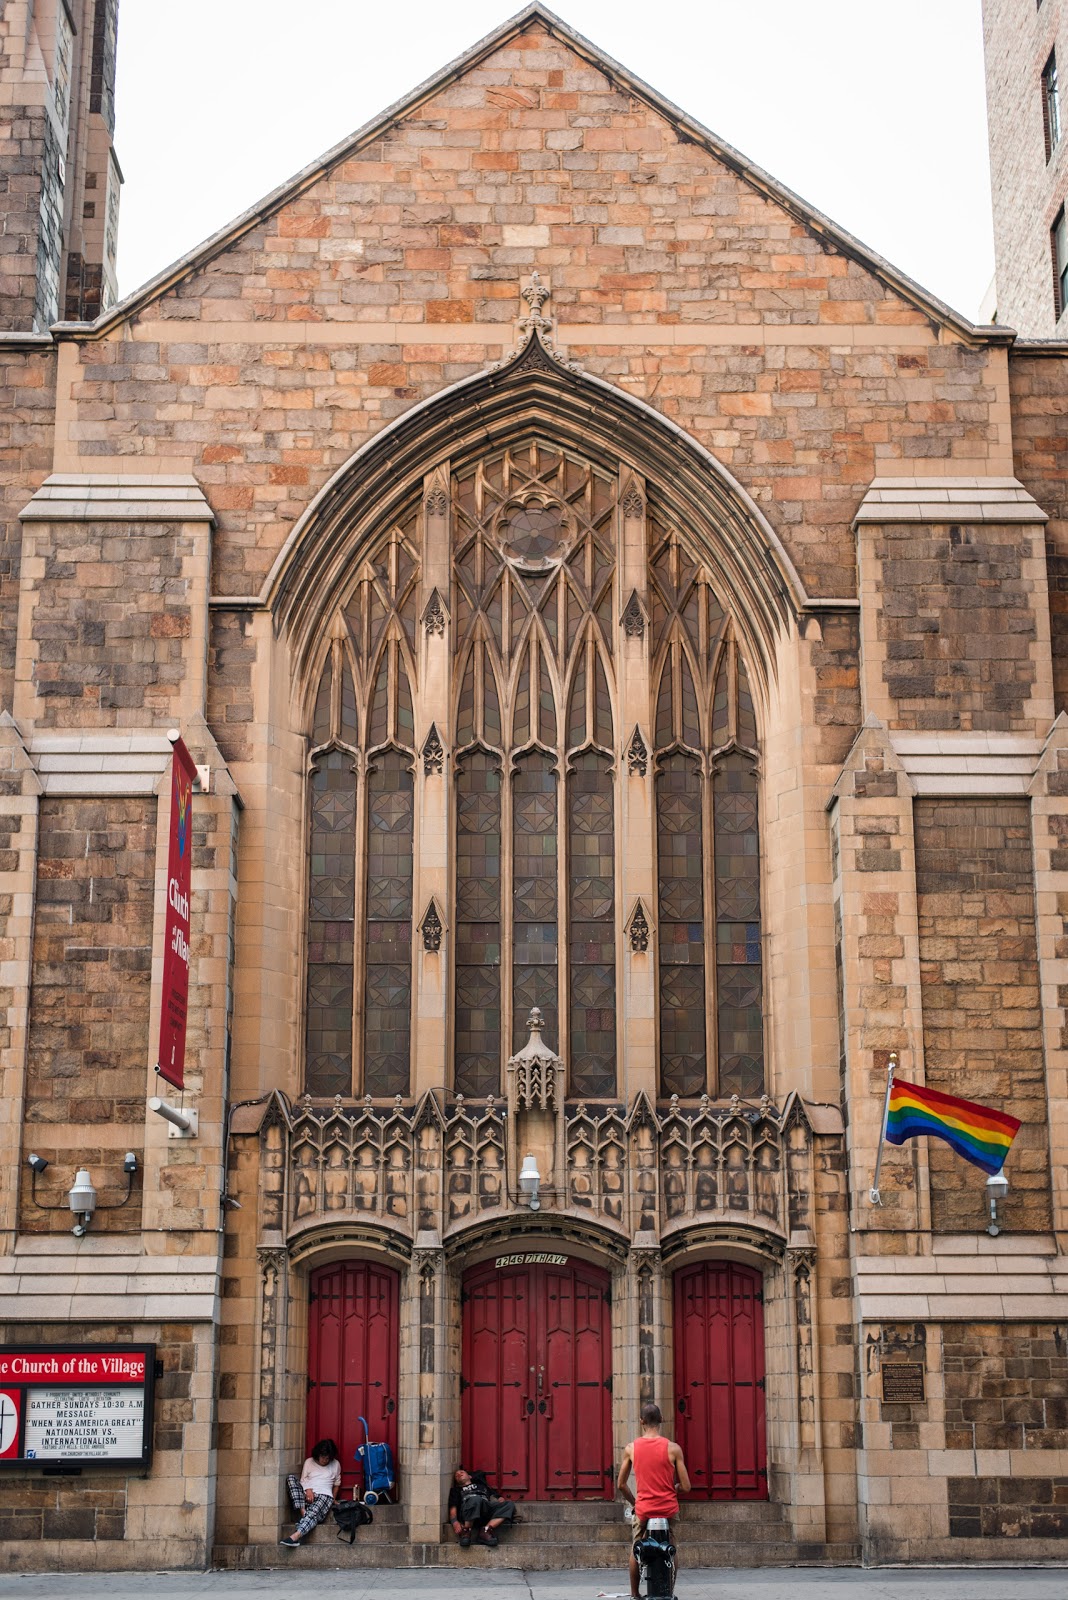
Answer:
(320, 1479)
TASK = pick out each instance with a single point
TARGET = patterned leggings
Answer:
(310, 1512)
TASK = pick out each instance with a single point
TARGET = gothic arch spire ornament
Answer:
(637, 755)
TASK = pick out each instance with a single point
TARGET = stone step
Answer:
(542, 1557)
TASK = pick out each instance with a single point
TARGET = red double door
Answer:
(719, 1380)
(536, 1380)
(352, 1358)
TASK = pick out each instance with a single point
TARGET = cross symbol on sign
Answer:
(9, 1421)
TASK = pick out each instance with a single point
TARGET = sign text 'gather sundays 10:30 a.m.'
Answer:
(174, 1004)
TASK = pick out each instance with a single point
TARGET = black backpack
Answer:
(350, 1515)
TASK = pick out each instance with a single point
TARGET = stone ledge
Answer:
(994, 500)
(110, 497)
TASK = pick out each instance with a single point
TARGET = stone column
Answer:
(636, 854)
(1049, 821)
(433, 787)
(879, 970)
(425, 1439)
(20, 792)
(267, 1474)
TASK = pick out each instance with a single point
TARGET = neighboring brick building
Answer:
(1026, 51)
(619, 615)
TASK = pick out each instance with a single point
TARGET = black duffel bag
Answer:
(350, 1515)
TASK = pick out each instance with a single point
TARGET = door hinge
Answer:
(465, 1384)
(759, 1297)
(464, 1297)
(312, 1298)
(762, 1383)
(312, 1385)
(608, 1295)
(608, 1383)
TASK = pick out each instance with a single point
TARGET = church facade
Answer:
(617, 620)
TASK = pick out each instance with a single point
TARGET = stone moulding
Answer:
(743, 554)
(442, 1165)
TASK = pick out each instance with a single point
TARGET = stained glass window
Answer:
(361, 989)
(388, 996)
(738, 950)
(535, 869)
(478, 926)
(591, 887)
(682, 934)
(331, 924)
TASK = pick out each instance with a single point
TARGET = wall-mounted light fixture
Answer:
(81, 1197)
(530, 1182)
(997, 1188)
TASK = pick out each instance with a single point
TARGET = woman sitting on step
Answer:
(313, 1493)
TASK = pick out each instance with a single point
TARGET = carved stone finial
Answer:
(433, 753)
(434, 614)
(639, 930)
(436, 502)
(535, 293)
(634, 617)
(637, 755)
(431, 929)
(535, 1022)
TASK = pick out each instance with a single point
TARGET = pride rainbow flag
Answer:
(975, 1132)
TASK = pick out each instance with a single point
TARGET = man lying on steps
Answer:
(476, 1510)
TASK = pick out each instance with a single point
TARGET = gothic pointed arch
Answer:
(529, 544)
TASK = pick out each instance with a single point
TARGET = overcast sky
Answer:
(873, 110)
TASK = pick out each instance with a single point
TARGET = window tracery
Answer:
(535, 622)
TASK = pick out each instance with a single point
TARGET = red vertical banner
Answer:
(175, 999)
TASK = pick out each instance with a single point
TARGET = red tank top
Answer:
(655, 1479)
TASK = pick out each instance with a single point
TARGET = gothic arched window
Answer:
(520, 628)
(708, 851)
(359, 998)
(534, 557)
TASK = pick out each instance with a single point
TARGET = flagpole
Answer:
(873, 1193)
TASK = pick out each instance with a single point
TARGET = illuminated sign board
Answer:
(76, 1406)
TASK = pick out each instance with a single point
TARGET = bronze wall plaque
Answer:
(903, 1383)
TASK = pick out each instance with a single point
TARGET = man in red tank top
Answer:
(656, 1463)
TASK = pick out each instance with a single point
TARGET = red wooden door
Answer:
(536, 1380)
(719, 1380)
(352, 1357)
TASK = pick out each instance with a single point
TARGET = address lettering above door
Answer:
(532, 1259)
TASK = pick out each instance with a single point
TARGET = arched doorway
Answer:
(719, 1379)
(536, 1379)
(352, 1357)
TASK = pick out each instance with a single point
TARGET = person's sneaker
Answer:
(289, 1542)
(465, 1541)
(489, 1539)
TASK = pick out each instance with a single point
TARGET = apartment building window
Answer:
(1051, 105)
(1059, 247)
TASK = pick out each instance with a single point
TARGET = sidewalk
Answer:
(840, 1583)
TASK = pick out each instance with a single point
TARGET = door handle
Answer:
(530, 1408)
(682, 1405)
(391, 1406)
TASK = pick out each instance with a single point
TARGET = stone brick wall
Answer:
(89, 1001)
(1006, 1389)
(108, 623)
(1026, 189)
(836, 708)
(1008, 1508)
(982, 1025)
(27, 382)
(398, 272)
(231, 658)
(1039, 389)
(958, 621)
